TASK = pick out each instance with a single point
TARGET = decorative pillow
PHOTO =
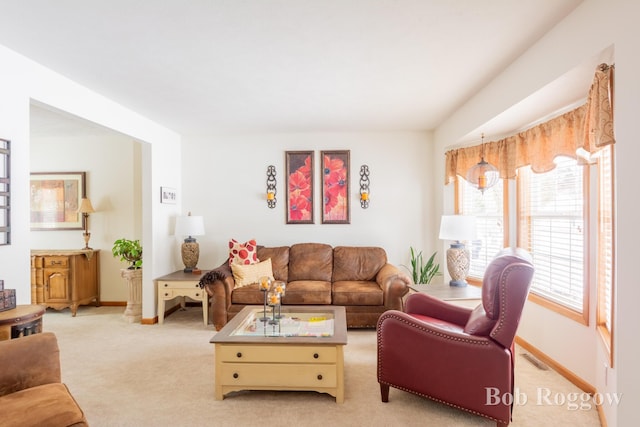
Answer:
(243, 253)
(251, 273)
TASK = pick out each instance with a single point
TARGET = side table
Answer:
(20, 321)
(467, 296)
(181, 284)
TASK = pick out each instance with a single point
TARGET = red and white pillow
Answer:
(243, 253)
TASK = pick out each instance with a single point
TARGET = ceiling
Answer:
(207, 66)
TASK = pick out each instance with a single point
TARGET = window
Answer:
(551, 225)
(488, 208)
(604, 313)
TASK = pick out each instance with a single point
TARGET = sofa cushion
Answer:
(304, 292)
(244, 275)
(242, 253)
(310, 261)
(351, 292)
(279, 261)
(357, 263)
(44, 405)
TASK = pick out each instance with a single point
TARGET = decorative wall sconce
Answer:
(271, 186)
(364, 186)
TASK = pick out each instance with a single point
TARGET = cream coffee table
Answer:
(302, 351)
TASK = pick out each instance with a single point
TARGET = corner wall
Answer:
(24, 81)
(590, 29)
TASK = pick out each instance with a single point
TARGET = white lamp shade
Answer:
(458, 227)
(189, 226)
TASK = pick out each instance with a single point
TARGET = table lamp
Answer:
(190, 226)
(85, 209)
(458, 228)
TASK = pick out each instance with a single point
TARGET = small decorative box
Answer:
(7, 297)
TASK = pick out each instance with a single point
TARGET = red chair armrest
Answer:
(427, 305)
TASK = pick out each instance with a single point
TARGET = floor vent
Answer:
(535, 362)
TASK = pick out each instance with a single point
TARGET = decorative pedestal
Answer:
(133, 312)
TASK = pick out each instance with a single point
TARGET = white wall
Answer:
(111, 167)
(25, 81)
(582, 36)
(225, 181)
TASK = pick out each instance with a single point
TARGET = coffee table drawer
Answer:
(280, 375)
(244, 353)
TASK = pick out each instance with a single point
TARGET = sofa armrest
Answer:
(394, 284)
(28, 362)
(219, 283)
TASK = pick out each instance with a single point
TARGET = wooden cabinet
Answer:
(61, 279)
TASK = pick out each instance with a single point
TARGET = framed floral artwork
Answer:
(299, 170)
(335, 187)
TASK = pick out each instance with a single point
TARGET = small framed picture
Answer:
(168, 195)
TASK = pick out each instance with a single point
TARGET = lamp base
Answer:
(86, 236)
(190, 254)
(458, 283)
(458, 260)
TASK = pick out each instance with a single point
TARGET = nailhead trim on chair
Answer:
(469, 340)
(503, 301)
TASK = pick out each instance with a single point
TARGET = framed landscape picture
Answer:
(299, 187)
(55, 198)
(335, 187)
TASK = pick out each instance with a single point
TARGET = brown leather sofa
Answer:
(31, 392)
(456, 355)
(358, 278)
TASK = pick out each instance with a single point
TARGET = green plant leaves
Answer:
(422, 272)
(128, 250)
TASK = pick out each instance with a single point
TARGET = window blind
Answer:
(605, 239)
(488, 208)
(552, 227)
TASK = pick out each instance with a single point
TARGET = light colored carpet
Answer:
(162, 375)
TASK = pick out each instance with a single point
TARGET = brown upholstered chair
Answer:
(456, 355)
(31, 392)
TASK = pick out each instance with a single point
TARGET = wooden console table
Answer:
(65, 278)
(21, 321)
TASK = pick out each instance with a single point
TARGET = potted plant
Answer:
(130, 251)
(422, 272)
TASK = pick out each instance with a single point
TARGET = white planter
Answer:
(133, 312)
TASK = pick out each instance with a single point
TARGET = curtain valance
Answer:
(584, 129)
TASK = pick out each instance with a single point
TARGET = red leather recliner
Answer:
(456, 355)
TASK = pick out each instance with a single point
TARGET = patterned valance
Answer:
(583, 130)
